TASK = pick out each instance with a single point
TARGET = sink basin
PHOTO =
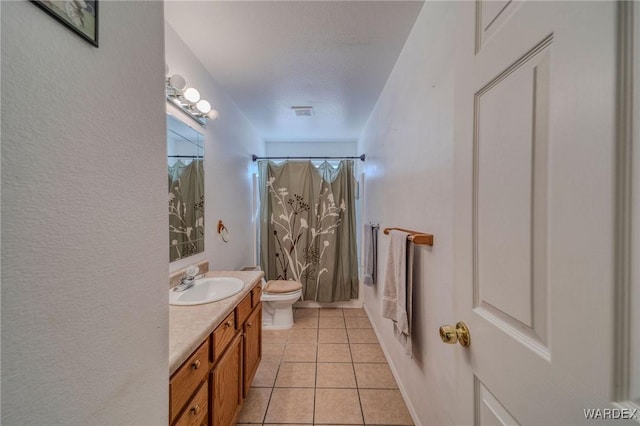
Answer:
(207, 290)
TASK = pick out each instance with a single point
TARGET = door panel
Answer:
(534, 209)
(489, 411)
(490, 16)
(510, 194)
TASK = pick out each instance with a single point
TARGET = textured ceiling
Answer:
(270, 55)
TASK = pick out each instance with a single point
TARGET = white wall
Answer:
(229, 142)
(312, 149)
(84, 293)
(409, 181)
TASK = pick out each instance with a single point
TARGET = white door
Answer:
(534, 224)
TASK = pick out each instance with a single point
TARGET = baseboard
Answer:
(355, 303)
(394, 371)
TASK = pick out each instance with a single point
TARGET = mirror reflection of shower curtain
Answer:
(186, 209)
(307, 227)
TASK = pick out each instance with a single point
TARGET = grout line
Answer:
(264, 416)
(355, 377)
(315, 388)
(394, 371)
(354, 374)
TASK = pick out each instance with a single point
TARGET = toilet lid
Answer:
(282, 286)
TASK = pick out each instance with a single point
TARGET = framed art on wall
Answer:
(81, 16)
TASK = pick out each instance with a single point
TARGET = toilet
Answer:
(278, 297)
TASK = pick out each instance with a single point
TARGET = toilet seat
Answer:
(281, 296)
(283, 287)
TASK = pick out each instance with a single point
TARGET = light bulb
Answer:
(177, 82)
(203, 106)
(192, 95)
(213, 115)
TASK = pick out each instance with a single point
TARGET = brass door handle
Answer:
(459, 333)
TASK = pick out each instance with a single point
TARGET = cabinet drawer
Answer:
(197, 410)
(223, 334)
(256, 293)
(243, 310)
(186, 380)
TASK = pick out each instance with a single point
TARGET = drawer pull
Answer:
(229, 323)
(196, 364)
(248, 324)
(195, 409)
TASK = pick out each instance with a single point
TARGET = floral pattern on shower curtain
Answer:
(307, 228)
(186, 209)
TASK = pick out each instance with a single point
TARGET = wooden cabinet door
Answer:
(252, 347)
(226, 385)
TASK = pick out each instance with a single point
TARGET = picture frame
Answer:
(80, 16)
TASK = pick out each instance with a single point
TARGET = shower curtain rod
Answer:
(185, 156)
(256, 158)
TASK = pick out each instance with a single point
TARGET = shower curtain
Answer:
(186, 209)
(307, 227)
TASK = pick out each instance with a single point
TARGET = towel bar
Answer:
(415, 237)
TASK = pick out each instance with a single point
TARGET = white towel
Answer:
(370, 253)
(398, 287)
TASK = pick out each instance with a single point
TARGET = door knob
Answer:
(459, 333)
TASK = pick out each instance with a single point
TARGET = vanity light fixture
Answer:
(188, 99)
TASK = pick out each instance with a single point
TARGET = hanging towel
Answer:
(398, 287)
(370, 253)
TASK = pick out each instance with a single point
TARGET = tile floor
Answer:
(328, 369)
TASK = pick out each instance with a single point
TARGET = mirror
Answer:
(185, 155)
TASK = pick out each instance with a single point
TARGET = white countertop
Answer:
(189, 326)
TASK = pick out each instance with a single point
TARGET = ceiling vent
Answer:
(303, 111)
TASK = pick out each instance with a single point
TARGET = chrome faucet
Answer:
(187, 282)
(189, 279)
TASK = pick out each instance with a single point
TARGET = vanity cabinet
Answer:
(210, 386)
(252, 353)
(226, 385)
(223, 334)
(196, 413)
(187, 381)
